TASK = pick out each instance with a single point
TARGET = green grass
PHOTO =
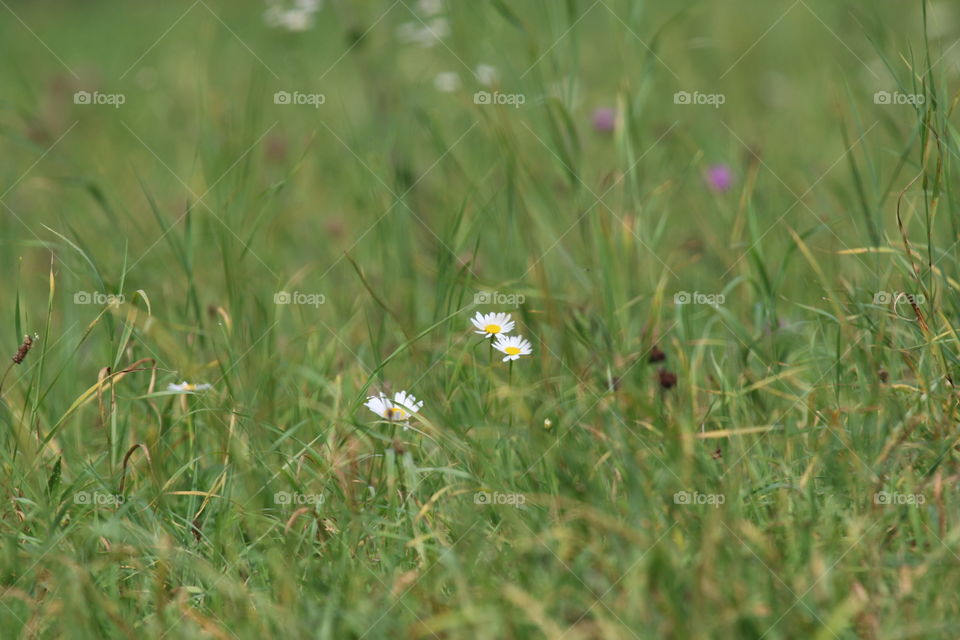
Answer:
(798, 481)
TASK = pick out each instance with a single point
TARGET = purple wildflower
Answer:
(604, 119)
(719, 178)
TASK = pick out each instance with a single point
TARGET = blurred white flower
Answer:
(513, 346)
(273, 16)
(407, 32)
(186, 387)
(425, 35)
(492, 324)
(404, 400)
(298, 17)
(297, 20)
(308, 5)
(447, 81)
(486, 74)
(399, 409)
(430, 7)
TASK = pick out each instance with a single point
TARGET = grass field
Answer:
(729, 232)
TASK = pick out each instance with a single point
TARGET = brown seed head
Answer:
(667, 379)
(23, 350)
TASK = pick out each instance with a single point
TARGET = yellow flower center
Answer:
(395, 413)
(512, 351)
(492, 328)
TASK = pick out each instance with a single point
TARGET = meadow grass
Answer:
(739, 419)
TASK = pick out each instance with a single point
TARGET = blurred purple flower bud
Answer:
(604, 119)
(719, 178)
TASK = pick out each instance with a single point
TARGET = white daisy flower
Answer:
(379, 404)
(405, 405)
(186, 387)
(492, 324)
(399, 409)
(513, 346)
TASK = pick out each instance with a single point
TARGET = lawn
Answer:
(482, 319)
